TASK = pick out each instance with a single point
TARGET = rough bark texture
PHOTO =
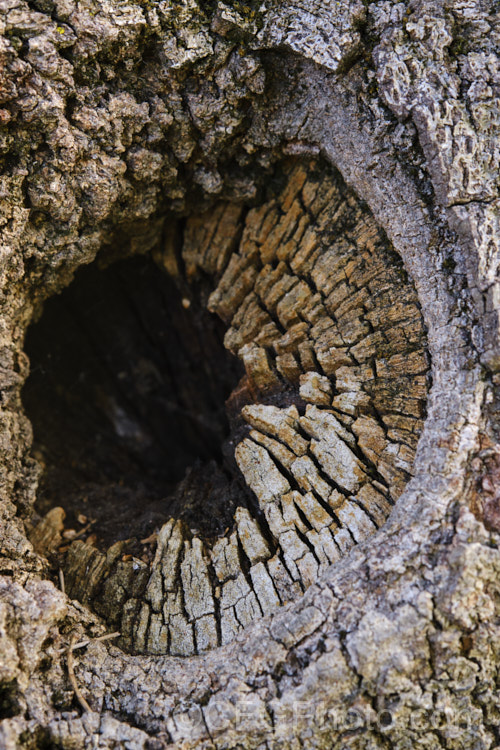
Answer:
(278, 160)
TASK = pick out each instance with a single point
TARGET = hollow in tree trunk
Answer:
(249, 374)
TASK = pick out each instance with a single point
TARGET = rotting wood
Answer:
(325, 470)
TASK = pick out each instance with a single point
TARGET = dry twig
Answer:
(105, 637)
(71, 674)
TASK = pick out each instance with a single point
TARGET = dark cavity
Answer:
(127, 391)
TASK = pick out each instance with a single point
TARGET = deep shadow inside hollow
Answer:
(126, 395)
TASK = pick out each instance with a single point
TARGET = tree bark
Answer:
(324, 179)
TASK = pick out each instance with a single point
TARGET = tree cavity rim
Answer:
(456, 388)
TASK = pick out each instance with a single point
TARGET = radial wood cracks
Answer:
(322, 316)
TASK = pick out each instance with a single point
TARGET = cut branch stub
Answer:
(324, 423)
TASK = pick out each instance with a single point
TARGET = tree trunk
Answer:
(254, 440)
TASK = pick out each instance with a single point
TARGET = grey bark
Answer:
(114, 115)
